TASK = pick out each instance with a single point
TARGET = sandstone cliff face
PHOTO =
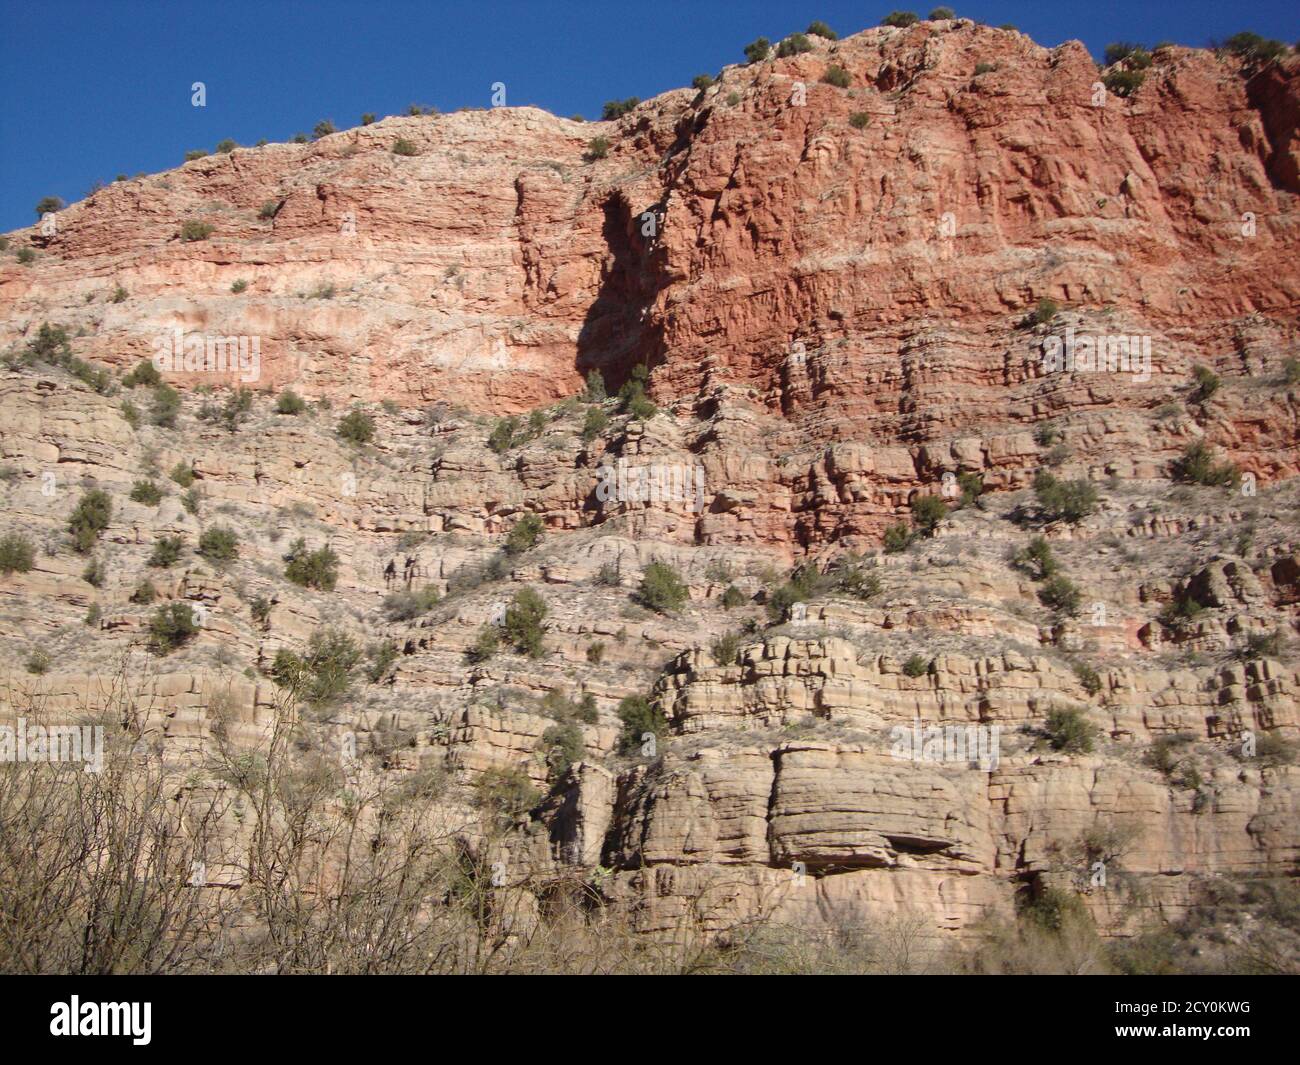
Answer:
(832, 316)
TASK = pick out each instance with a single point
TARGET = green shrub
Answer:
(859, 120)
(615, 109)
(1180, 611)
(382, 656)
(1064, 500)
(182, 474)
(289, 402)
(171, 626)
(405, 606)
(402, 146)
(972, 487)
(165, 406)
(899, 18)
(1261, 645)
(145, 593)
(1291, 371)
(817, 28)
(523, 626)
(1036, 560)
(524, 535)
(219, 544)
(17, 555)
(166, 551)
(269, 209)
(927, 512)
(564, 746)
(725, 649)
(192, 230)
(850, 576)
(795, 44)
(1207, 383)
(608, 575)
(485, 644)
(596, 653)
(702, 82)
(916, 666)
(595, 390)
(837, 76)
(638, 716)
(594, 424)
(898, 538)
(48, 205)
(597, 148)
(146, 492)
(1254, 48)
(1043, 312)
(1046, 434)
(1123, 82)
(312, 569)
(661, 589)
(1120, 50)
(324, 672)
(89, 518)
(38, 662)
(368, 119)
(941, 14)
(144, 374)
(356, 427)
(1054, 910)
(1197, 466)
(733, 98)
(504, 434)
(322, 128)
(985, 68)
(1089, 678)
(1070, 731)
(225, 147)
(505, 795)
(94, 573)
(758, 50)
(196, 153)
(119, 295)
(1060, 594)
(733, 597)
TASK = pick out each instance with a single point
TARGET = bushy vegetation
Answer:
(898, 538)
(1036, 560)
(758, 50)
(219, 544)
(1123, 82)
(1061, 594)
(146, 492)
(1253, 48)
(837, 76)
(324, 671)
(597, 148)
(927, 512)
(1207, 383)
(1196, 465)
(639, 716)
(900, 18)
(523, 626)
(817, 28)
(916, 666)
(1044, 311)
(1070, 501)
(401, 146)
(356, 427)
(594, 424)
(166, 551)
(1069, 730)
(312, 569)
(406, 606)
(662, 589)
(616, 109)
(17, 555)
(90, 517)
(524, 535)
(289, 402)
(171, 626)
(192, 229)
(795, 44)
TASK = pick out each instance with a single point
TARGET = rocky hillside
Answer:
(660, 490)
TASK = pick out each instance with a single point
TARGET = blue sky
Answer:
(94, 88)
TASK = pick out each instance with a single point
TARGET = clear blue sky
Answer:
(94, 88)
